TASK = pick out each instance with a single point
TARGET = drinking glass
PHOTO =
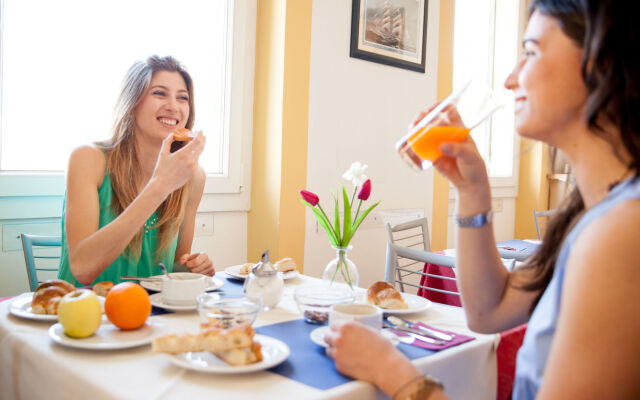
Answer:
(449, 121)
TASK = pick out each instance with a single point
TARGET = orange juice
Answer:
(427, 144)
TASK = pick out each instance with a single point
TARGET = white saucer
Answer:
(21, 307)
(274, 352)
(156, 285)
(108, 337)
(317, 336)
(156, 300)
(234, 272)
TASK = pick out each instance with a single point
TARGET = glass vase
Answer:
(341, 270)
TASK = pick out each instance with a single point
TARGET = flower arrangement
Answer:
(339, 232)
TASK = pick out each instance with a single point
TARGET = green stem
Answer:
(353, 196)
(332, 229)
(357, 212)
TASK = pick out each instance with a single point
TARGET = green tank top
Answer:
(146, 265)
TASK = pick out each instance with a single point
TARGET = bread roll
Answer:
(180, 138)
(102, 288)
(58, 283)
(246, 269)
(45, 301)
(285, 265)
(385, 296)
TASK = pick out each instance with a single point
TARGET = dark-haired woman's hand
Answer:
(174, 170)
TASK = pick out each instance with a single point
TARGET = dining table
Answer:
(34, 366)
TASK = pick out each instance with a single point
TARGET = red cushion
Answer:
(437, 283)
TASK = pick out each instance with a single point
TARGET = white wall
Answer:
(357, 111)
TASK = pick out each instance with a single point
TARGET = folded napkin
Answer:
(457, 338)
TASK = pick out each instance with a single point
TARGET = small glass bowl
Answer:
(314, 302)
(227, 312)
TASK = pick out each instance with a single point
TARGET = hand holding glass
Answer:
(449, 121)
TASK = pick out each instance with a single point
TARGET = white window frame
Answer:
(237, 125)
(504, 186)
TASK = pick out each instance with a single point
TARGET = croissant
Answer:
(386, 296)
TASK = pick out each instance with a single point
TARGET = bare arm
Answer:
(92, 250)
(490, 303)
(198, 262)
(595, 349)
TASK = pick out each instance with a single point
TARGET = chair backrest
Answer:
(412, 234)
(437, 283)
(541, 218)
(37, 257)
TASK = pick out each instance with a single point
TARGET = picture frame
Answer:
(390, 32)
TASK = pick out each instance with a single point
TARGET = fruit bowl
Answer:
(227, 312)
(315, 301)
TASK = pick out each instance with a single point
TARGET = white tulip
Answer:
(355, 174)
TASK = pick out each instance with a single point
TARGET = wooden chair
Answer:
(541, 219)
(40, 255)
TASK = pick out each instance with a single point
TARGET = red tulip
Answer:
(309, 197)
(365, 190)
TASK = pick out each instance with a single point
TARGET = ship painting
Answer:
(386, 25)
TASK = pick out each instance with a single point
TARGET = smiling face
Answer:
(163, 107)
(547, 83)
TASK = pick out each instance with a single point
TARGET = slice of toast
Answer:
(212, 339)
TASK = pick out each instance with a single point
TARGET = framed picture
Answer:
(392, 32)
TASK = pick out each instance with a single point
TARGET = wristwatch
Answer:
(475, 221)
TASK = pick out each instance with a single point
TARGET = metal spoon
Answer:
(401, 323)
(164, 269)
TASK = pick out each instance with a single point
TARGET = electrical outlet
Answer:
(203, 225)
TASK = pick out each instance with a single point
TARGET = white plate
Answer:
(108, 337)
(21, 307)
(415, 303)
(156, 300)
(274, 352)
(317, 336)
(156, 285)
(234, 271)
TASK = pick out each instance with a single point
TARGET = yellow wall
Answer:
(532, 187)
(277, 219)
(445, 85)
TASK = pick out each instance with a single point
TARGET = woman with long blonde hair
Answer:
(130, 202)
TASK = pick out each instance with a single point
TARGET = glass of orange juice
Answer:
(450, 121)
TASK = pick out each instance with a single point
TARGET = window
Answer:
(63, 61)
(486, 42)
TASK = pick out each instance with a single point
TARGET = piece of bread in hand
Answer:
(285, 265)
(235, 346)
(386, 296)
(102, 288)
(246, 269)
(180, 138)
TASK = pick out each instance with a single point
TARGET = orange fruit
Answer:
(127, 305)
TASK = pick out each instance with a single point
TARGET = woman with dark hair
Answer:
(576, 88)
(130, 202)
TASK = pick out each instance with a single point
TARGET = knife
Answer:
(416, 334)
(422, 329)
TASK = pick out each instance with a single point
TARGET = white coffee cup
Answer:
(183, 288)
(365, 314)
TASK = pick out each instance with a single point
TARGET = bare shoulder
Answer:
(612, 238)
(89, 161)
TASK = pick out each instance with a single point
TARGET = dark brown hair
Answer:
(605, 30)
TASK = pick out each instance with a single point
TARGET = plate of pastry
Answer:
(109, 336)
(287, 267)
(213, 283)
(223, 351)
(42, 304)
(391, 301)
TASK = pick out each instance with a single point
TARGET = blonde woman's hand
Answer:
(198, 262)
(174, 170)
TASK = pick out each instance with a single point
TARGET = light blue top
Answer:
(532, 356)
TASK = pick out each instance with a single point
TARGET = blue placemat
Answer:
(231, 288)
(308, 362)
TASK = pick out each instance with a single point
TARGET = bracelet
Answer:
(422, 390)
(475, 221)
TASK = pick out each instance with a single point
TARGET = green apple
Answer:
(79, 313)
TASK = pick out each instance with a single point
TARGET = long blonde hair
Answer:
(122, 158)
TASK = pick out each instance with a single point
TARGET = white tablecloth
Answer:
(32, 366)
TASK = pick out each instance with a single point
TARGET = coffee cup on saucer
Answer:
(365, 314)
(183, 288)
